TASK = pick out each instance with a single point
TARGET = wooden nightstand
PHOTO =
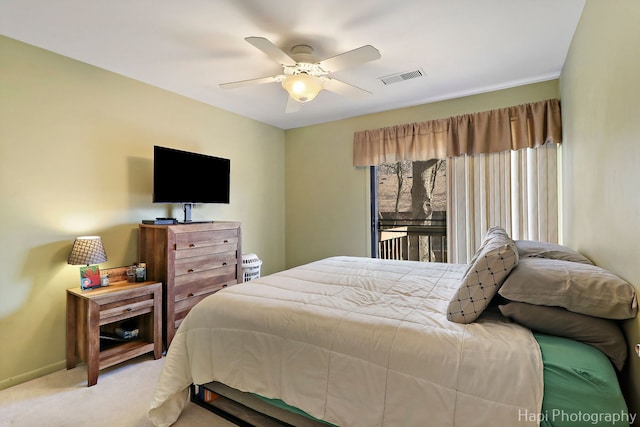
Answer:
(96, 313)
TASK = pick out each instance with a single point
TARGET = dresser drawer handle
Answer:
(190, 295)
(190, 270)
(224, 263)
(192, 245)
(224, 286)
(128, 309)
(225, 241)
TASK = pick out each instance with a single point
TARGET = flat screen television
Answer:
(187, 178)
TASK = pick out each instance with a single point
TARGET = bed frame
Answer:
(246, 409)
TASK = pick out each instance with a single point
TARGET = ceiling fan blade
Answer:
(272, 51)
(293, 106)
(351, 58)
(345, 89)
(250, 82)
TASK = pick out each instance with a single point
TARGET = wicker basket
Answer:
(250, 267)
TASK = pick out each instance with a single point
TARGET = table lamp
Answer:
(88, 251)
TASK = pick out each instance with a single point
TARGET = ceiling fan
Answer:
(304, 76)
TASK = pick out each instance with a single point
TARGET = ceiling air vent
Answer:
(400, 77)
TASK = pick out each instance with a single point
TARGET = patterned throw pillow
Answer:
(491, 264)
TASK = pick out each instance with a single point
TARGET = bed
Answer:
(365, 342)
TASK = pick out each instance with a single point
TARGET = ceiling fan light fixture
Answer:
(302, 87)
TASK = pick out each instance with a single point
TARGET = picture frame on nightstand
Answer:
(90, 277)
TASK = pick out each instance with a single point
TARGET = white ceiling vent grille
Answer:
(400, 77)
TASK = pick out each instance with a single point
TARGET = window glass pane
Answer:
(411, 210)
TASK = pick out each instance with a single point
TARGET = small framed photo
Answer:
(90, 277)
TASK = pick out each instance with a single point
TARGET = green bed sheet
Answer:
(280, 404)
(580, 386)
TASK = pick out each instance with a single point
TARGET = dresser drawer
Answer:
(186, 299)
(204, 262)
(205, 250)
(205, 238)
(187, 292)
(188, 282)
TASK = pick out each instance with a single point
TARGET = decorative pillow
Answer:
(492, 262)
(603, 334)
(581, 288)
(493, 232)
(497, 231)
(533, 249)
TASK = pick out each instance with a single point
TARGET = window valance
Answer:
(511, 128)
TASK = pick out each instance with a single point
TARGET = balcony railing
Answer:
(413, 240)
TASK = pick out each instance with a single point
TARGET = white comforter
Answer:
(357, 342)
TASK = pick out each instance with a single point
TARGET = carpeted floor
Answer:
(120, 399)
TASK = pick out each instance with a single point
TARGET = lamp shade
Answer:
(302, 87)
(87, 250)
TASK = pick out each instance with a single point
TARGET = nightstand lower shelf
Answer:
(121, 352)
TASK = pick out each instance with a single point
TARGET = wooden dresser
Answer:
(192, 261)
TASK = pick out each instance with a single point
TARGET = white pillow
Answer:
(581, 288)
(535, 249)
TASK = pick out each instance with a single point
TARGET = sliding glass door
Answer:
(409, 211)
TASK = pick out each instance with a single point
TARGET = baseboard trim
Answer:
(32, 375)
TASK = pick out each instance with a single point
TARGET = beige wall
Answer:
(76, 149)
(327, 199)
(600, 88)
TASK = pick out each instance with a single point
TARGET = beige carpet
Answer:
(120, 399)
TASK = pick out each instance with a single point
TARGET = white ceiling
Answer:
(191, 46)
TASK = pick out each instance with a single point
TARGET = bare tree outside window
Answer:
(411, 210)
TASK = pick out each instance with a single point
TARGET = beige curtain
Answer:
(502, 169)
(517, 190)
(512, 128)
